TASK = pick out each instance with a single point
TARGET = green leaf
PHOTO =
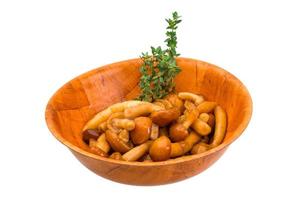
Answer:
(159, 67)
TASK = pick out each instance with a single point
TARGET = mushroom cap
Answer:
(142, 130)
(116, 143)
(160, 149)
(90, 134)
(164, 117)
(178, 132)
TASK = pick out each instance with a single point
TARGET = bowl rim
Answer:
(240, 129)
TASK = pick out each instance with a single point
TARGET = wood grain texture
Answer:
(81, 98)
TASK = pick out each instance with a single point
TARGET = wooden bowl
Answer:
(81, 98)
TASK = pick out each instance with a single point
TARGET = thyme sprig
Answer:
(159, 67)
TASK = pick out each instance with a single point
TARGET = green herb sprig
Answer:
(159, 67)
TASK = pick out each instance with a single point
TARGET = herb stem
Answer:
(159, 67)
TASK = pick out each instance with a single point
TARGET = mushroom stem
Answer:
(110, 125)
(177, 149)
(141, 110)
(124, 135)
(154, 131)
(178, 132)
(102, 126)
(197, 99)
(190, 117)
(165, 102)
(137, 152)
(180, 148)
(105, 114)
(206, 106)
(123, 124)
(220, 126)
(103, 144)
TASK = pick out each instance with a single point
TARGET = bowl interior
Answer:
(81, 98)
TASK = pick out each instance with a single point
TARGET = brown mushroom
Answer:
(178, 132)
(116, 143)
(160, 149)
(142, 130)
(192, 139)
(175, 101)
(190, 116)
(180, 148)
(201, 127)
(95, 149)
(165, 117)
(90, 134)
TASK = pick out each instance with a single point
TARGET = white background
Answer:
(43, 44)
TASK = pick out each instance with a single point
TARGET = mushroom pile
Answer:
(178, 125)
